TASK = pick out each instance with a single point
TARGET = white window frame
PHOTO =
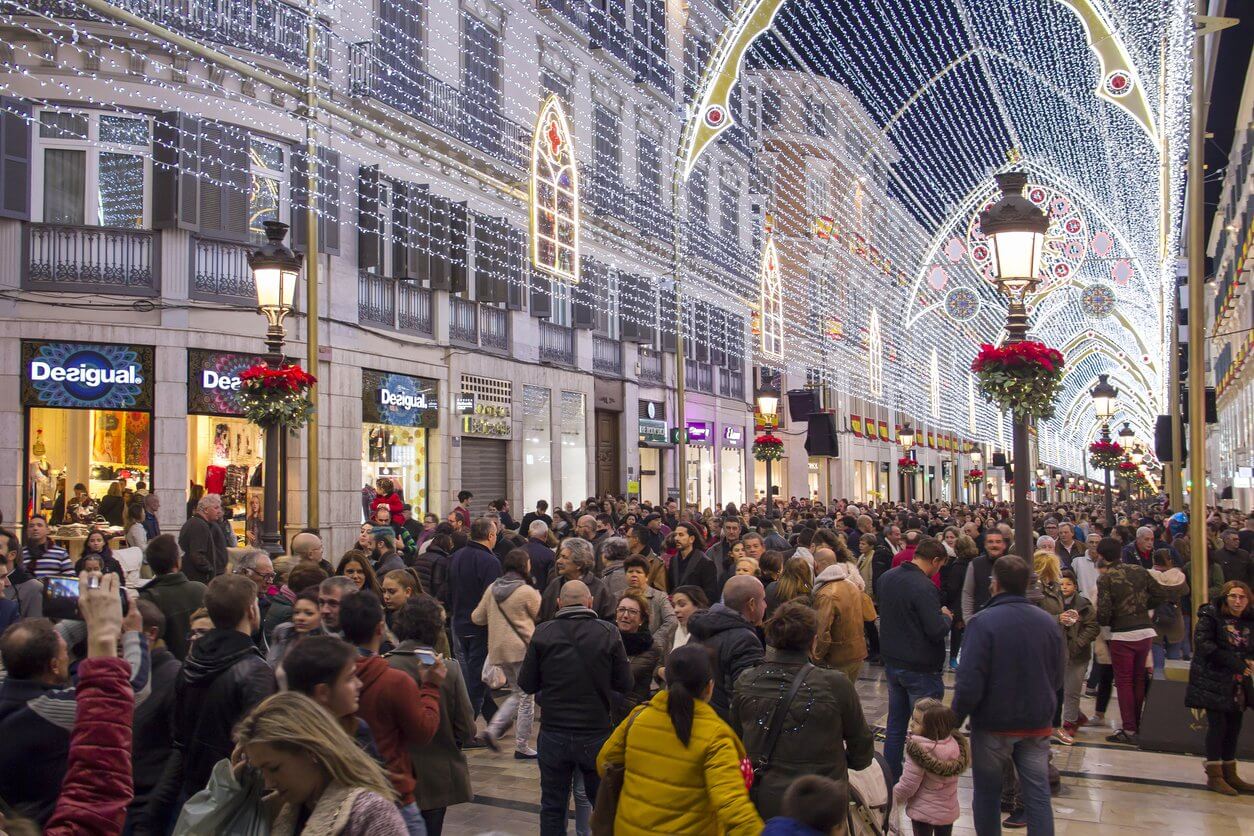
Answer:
(282, 177)
(772, 301)
(93, 147)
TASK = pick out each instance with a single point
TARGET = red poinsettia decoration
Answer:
(276, 397)
(1018, 355)
(907, 466)
(974, 476)
(1105, 455)
(1022, 377)
(768, 447)
(1127, 468)
(291, 378)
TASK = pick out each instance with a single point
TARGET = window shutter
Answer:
(418, 236)
(489, 259)
(718, 337)
(701, 332)
(514, 275)
(666, 318)
(213, 179)
(176, 172)
(541, 295)
(583, 295)
(15, 153)
(458, 235)
(438, 268)
(629, 314)
(400, 229)
(329, 201)
(368, 220)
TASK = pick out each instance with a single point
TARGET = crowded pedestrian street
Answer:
(626, 417)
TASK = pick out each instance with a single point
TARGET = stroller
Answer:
(871, 799)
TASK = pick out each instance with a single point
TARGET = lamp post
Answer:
(768, 405)
(905, 437)
(1125, 439)
(275, 271)
(1104, 396)
(1016, 231)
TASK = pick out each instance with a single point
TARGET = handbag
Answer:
(763, 764)
(225, 807)
(492, 675)
(605, 805)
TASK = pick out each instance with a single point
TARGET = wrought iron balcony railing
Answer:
(557, 343)
(91, 258)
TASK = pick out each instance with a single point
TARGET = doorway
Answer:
(607, 439)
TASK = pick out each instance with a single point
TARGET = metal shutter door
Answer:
(483, 471)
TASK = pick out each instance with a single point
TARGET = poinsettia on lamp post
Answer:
(275, 272)
(1104, 396)
(1015, 229)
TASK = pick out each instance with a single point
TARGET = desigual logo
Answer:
(209, 379)
(85, 374)
(404, 400)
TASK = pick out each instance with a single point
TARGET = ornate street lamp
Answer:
(1015, 229)
(1104, 397)
(905, 437)
(275, 272)
(768, 406)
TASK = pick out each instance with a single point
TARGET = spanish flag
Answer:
(823, 227)
(855, 421)
(884, 436)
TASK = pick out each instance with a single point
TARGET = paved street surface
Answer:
(1108, 789)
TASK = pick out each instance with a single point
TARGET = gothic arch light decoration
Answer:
(771, 299)
(875, 355)
(554, 194)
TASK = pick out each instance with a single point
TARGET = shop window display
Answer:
(398, 414)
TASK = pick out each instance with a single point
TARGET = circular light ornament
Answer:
(715, 116)
(962, 304)
(1098, 300)
(937, 278)
(1118, 83)
(1066, 242)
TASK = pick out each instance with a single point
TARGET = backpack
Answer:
(1166, 615)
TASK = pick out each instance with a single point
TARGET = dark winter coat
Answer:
(695, 569)
(177, 598)
(152, 726)
(643, 656)
(1237, 565)
(1080, 635)
(736, 649)
(225, 676)
(881, 564)
(472, 569)
(542, 560)
(912, 627)
(1125, 595)
(204, 550)
(822, 733)
(602, 601)
(1218, 660)
(432, 566)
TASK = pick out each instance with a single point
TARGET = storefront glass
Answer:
(397, 413)
(574, 448)
(224, 450)
(731, 460)
(537, 446)
(700, 459)
(654, 437)
(89, 420)
(814, 476)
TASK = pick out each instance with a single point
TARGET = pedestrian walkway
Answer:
(1108, 789)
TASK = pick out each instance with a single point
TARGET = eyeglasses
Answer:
(268, 577)
(1240, 596)
(628, 611)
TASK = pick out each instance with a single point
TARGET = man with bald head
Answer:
(727, 629)
(307, 548)
(573, 663)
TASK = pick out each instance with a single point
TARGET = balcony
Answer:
(608, 34)
(651, 216)
(91, 258)
(607, 355)
(574, 12)
(608, 197)
(557, 344)
(271, 28)
(653, 70)
(463, 323)
(699, 377)
(394, 303)
(651, 367)
(494, 328)
(436, 103)
(220, 272)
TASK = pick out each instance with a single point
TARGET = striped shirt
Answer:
(52, 560)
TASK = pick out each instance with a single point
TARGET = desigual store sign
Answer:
(213, 381)
(87, 375)
(399, 400)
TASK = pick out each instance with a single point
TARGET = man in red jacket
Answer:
(401, 714)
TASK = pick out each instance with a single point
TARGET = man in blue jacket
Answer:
(913, 627)
(1011, 670)
(472, 569)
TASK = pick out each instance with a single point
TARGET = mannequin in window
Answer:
(40, 483)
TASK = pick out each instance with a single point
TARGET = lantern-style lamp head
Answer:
(1015, 229)
(768, 404)
(275, 270)
(1104, 396)
(1127, 433)
(906, 436)
(1138, 455)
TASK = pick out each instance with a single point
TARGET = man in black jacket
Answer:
(542, 557)
(572, 665)
(202, 541)
(975, 588)
(720, 552)
(882, 558)
(913, 626)
(224, 677)
(152, 717)
(727, 629)
(690, 565)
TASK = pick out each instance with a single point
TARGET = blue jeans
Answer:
(562, 754)
(414, 822)
(583, 808)
(905, 688)
(990, 754)
(1162, 652)
(472, 651)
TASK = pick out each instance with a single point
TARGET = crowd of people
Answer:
(689, 673)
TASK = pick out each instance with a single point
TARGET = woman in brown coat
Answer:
(843, 608)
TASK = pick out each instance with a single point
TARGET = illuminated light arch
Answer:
(875, 355)
(1118, 84)
(771, 299)
(554, 194)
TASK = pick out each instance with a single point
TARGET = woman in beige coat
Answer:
(509, 608)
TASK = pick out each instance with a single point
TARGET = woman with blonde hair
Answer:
(794, 582)
(1048, 571)
(323, 783)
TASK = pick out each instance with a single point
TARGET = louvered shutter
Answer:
(515, 267)
(717, 336)
(541, 301)
(15, 154)
(418, 235)
(666, 318)
(584, 294)
(629, 314)
(458, 233)
(438, 272)
(176, 172)
(368, 219)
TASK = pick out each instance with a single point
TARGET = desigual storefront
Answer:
(87, 418)
(398, 414)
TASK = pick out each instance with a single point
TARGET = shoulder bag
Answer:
(762, 765)
(605, 805)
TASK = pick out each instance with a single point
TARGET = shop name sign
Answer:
(214, 382)
(209, 379)
(399, 400)
(86, 375)
(653, 432)
(492, 419)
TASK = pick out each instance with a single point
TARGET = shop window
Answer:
(574, 447)
(92, 169)
(537, 446)
(268, 179)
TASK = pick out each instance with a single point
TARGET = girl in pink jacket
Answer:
(936, 754)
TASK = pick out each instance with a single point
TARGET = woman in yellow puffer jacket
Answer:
(683, 772)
